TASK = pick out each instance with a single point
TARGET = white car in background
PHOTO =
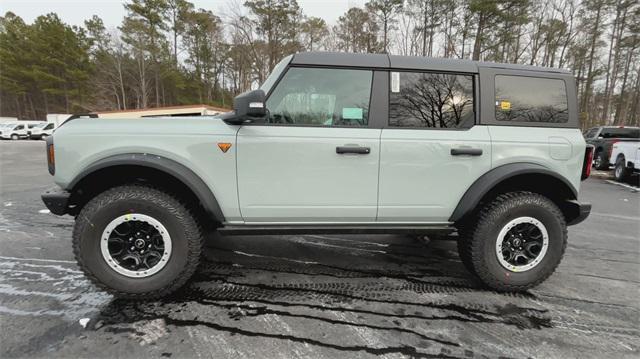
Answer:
(31, 125)
(626, 157)
(42, 131)
(13, 131)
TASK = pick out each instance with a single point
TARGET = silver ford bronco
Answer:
(334, 143)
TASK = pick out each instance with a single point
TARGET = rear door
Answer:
(316, 158)
(431, 149)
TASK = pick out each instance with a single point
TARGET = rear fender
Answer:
(492, 180)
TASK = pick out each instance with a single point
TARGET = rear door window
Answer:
(431, 100)
(530, 99)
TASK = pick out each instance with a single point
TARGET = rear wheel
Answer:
(601, 161)
(516, 243)
(137, 242)
(621, 172)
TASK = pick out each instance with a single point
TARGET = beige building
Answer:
(171, 111)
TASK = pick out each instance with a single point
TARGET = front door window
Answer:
(321, 97)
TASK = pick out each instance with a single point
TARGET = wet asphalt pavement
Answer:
(316, 296)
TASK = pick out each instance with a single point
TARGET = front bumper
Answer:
(56, 200)
(583, 210)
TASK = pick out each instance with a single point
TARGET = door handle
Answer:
(353, 149)
(466, 151)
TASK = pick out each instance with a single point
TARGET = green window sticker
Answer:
(352, 113)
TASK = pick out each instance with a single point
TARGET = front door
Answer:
(315, 159)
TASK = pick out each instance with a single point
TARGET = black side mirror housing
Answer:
(247, 107)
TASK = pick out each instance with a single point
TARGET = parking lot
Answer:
(316, 296)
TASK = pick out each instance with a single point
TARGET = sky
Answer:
(74, 12)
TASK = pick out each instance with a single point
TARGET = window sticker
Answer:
(352, 113)
(505, 105)
(395, 82)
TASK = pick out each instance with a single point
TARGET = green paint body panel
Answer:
(281, 174)
(190, 141)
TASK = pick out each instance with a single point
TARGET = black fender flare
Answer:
(495, 176)
(169, 166)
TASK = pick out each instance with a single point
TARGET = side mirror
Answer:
(247, 107)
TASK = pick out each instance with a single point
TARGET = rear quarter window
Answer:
(620, 133)
(530, 99)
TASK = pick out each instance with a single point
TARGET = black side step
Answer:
(252, 229)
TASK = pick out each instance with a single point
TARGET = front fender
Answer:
(171, 167)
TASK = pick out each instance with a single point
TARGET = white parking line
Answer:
(615, 216)
(634, 189)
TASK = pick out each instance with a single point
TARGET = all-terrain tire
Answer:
(479, 248)
(184, 230)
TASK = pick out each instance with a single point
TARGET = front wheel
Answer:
(137, 242)
(15, 137)
(517, 242)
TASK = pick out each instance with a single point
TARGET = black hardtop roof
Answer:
(384, 61)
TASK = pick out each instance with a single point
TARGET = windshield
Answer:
(275, 74)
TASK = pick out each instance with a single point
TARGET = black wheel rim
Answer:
(135, 245)
(522, 244)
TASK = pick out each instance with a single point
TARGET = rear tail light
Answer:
(51, 156)
(586, 165)
(611, 148)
